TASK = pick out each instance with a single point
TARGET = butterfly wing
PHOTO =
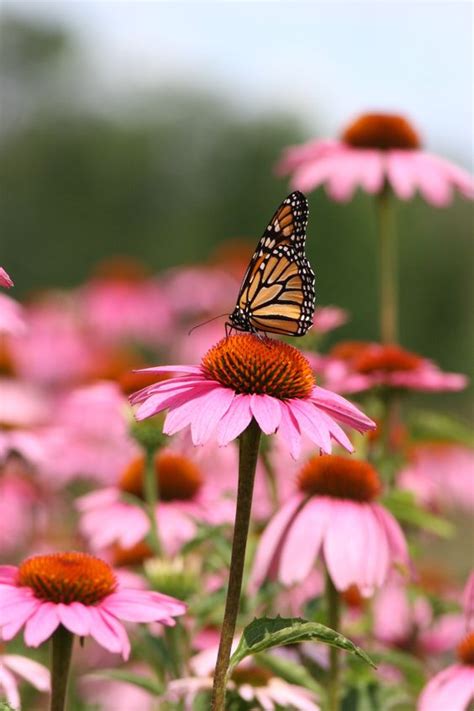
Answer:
(277, 292)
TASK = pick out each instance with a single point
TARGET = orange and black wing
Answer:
(277, 292)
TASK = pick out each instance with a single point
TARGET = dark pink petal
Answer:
(175, 385)
(214, 405)
(309, 422)
(302, 541)
(336, 432)
(75, 617)
(289, 430)
(41, 624)
(235, 421)
(104, 632)
(342, 409)
(270, 543)
(119, 630)
(188, 408)
(191, 369)
(138, 606)
(13, 617)
(266, 411)
(8, 574)
(162, 401)
(5, 279)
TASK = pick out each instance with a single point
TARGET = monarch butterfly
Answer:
(277, 292)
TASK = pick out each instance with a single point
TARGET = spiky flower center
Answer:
(253, 675)
(466, 649)
(178, 478)
(249, 364)
(131, 556)
(353, 597)
(373, 357)
(340, 478)
(382, 131)
(67, 577)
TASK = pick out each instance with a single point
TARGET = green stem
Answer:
(248, 453)
(388, 268)
(333, 601)
(152, 496)
(61, 652)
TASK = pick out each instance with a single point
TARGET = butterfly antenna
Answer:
(214, 318)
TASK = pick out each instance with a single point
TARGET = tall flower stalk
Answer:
(388, 267)
(61, 652)
(333, 603)
(249, 442)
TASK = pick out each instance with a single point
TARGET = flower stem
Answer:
(248, 453)
(152, 497)
(388, 268)
(334, 612)
(61, 652)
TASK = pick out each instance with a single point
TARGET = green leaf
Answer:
(290, 671)
(151, 685)
(403, 506)
(427, 425)
(5, 706)
(264, 633)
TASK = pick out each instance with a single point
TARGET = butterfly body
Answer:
(277, 292)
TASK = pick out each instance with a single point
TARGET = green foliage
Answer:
(403, 506)
(264, 633)
(429, 425)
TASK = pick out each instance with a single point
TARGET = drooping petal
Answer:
(103, 632)
(401, 174)
(33, 672)
(289, 430)
(267, 412)
(9, 687)
(395, 536)
(342, 409)
(188, 408)
(336, 432)
(270, 542)
(309, 422)
(433, 182)
(235, 421)
(75, 617)
(41, 624)
(302, 541)
(213, 407)
(452, 688)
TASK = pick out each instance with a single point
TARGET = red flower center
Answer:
(382, 131)
(353, 598)
(248, 364)
(131, 556)
(339, 477)
(178, 477)
(67, 577)
(466, 649)
(374, 357)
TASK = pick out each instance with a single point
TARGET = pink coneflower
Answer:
(440, 474)
(109, 518)
(334, 512)
(90, 436)
(355, 366)
(5, 279)
(245, 377)
(15, 665)
(452, 688)
(373, 150)
(81, 593)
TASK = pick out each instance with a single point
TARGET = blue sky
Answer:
(323, 60)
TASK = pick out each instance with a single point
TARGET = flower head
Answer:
(355, 366)
(452, 688)
(333, 512)
(80, 592)
(15, 665)
(375, 149)
(242, 377)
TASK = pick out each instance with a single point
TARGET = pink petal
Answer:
(75, 617)
(452, 688)
(400, 172)
(188, 408)
(5, 279)
(170, 400)
(41, 624)
(270, 542)
(289, 430)
(313, 174)
(342, 409)
(356, 167)
(9, 687)
(309, 421)
(213, 407)
(33, 672)
(235, 421)
(395, 536)
(266, 411)
(433, 182)
(302, 541)
(336, 431)
(8, 574)
(104, 632)
(138, 606)
(190, 369)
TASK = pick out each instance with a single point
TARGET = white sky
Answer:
(323, 60)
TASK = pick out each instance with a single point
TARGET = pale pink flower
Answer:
(12, 322)
(187, 495)
(440, 474)
(90, 437)
(20, 504)
(334, 514)
(81, 593)
(245, 377)
(327, 318)
(355, 366)
(15, 665)
(374, 150)
(197, 291)
(114, 695)
(125, 305)
(253, 683)
(22, 405)
(452, 688)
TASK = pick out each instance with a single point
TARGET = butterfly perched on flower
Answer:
(277, 292)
